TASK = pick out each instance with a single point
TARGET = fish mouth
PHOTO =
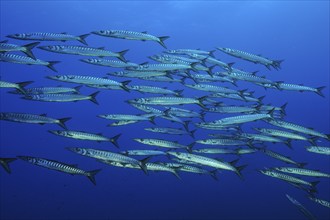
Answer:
(25, 158)
(52, 132)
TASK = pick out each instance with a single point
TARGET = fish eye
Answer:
(17, 35)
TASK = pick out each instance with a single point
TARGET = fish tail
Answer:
(209, 70)
(161, 41)
(301, 165)
(239, 169)
(288, 143)
(62, 122)
(211, 53)
(179, 92)
(82, 38)
(143, 163)
(121, 55)
(93, 97)
(91, 175)
(277, 64)
(77, 88)
(213, 174)
(176, 174)
(114, 140)
(152, 119)
(192, 133)
(124, 85)
(186, 124)
(21, 86)
(283, 108)
(5, 163)
(261, 98)
(319, 91)
(190, 146)
(51, 65)
(28, 49)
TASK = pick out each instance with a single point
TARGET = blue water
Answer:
(296, 31)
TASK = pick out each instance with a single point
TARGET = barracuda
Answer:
(263, 138)
(238, 97)
(62, 97)
(110, 63)
(163, 67)
(320, 201)
(49, 37)
(319, 150)
(234, 109)
(281, 157)
(143, 153)
(214, 151)
(131, 35)
(168, 101)
(19, 86)
(27, 49)
(299, 128)
(301, 208)
(34, 119)
(183, 113)
(48, 90)
(136, 118)
(216, 89)
(288, 178)
(252, 58)
(302, 171)
(85, 51)
(241, 119)
(211, 60)
(80, 135)
(206, 161)
(4, 162)
(219, 141)
(162, 79)
(13, 58)
(200, 78)
(285, 134)
(171, 131)
(164, 143)
(62, 167)
(156, 90)
(168, 58)
(90, 80)
(139, 74)
(190, 51)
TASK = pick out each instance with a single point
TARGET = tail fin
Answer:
(21, 86)
(51, 64)
(200, 100)
(211, 53)
(190, 146)
(152, 119)
(162, 39)
(121, 55)
(175, 173)
(192, 133)
(186, 124)
(62, 121)
(213, 174)
(114, 140)
(193, 66)
(283, 107)
(77, 88)
(91, 175)
(5, 163)
(319, 91)
(82, 38)
(143, 163)
(277, 64)
(93, 97)
(288, 143)
(301, 165)
(209, 71)
(179, 92)
(239, 169)
(124, 85)
(312, 140)
(261, 98)
(28, 48)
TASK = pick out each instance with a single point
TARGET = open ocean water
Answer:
(294, 31)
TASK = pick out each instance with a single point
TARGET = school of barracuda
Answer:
(174, 66)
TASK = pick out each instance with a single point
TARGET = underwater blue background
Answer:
(296, 31)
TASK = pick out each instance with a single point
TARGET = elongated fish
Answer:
(108, 155)
(90, 80)
(302, 171)
(138, 74)
(49, 37)
(319, 150)
(19, 86)
(301, 208)
(110, 63)
(80, 135)
(299, 128)
(156, 90)
(252, 57)
(62, 97)
(62, 167)
(288, 178)
(224, 141)
(143, 153)
(171, 131)
(214, 151)
(164, 143)
(320, 201)
(168, 101)
(190, 51)
(123, 117)
(206, 161)
(281, 157)
(31, 118)
(131, 35)
(13, 58)
(49, 90)
(285, 134)
(85, 51)
(216, 89)
(241, 119)
(4, 162)
(27, 48)
(164, 67)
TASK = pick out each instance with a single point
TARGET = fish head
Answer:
(27, 97)
(56, 77)
(90, 60)
(77, 150)
(58, 132)
(103, 32)
(17, 36)
(170, 51)
(28, 159)
(140, 140)
(224, 49)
